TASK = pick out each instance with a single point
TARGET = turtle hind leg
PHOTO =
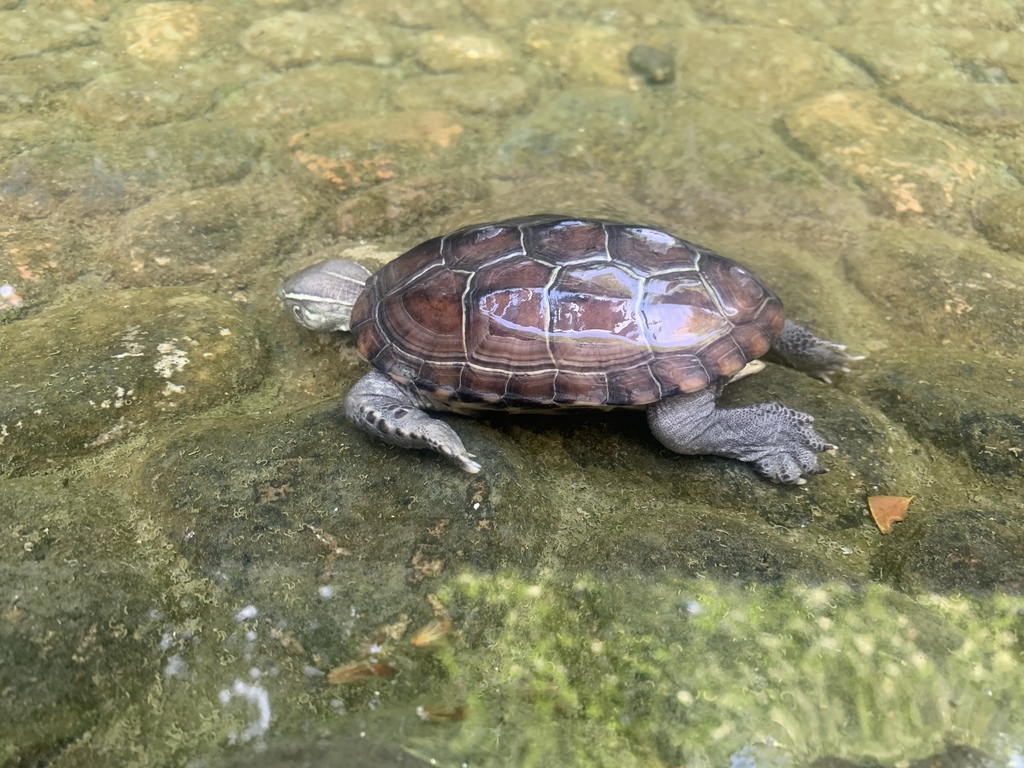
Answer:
(389, 411)
(804, 351)
(780, 442)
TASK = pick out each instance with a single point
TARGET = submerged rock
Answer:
(114, 363)
(296, 38)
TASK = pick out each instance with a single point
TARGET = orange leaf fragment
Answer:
(359, 670)
(887, 510)
(432, 634)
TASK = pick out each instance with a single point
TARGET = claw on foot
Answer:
(468, 464)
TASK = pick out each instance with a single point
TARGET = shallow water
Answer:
(203, 563)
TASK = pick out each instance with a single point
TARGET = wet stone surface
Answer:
(971, 106)
(486, 93)
(205, 232)
(580, 128)
(909, 166)
(440, 53)
(896, 52)
(36, 30)
(360, 152)
(195, 153)
(31, 81)
(194, 541)
(295, 38)
(104, 375)
(172, 32)
(407, 206)
(718, 65)
(145, 98)
(960, 293)
(298, 499)
(298, 98)
(968, 419)
(1000, 218)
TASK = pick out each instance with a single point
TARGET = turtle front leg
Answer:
(389, 411)
(780, 442)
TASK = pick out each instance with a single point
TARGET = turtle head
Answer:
(321, 296)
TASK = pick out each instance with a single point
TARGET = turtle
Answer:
(553, 312)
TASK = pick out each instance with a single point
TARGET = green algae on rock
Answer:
(189, 154)
(975, 107)
(43, 28)
(624, 672)
(955, 291)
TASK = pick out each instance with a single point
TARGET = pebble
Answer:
(657, 67)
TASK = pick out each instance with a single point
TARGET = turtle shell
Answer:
(548, 310)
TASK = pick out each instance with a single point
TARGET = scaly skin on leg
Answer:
(804, 351)
(389, 411)
(780, 442)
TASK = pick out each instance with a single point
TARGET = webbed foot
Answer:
(385, 409)
(781, 443)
